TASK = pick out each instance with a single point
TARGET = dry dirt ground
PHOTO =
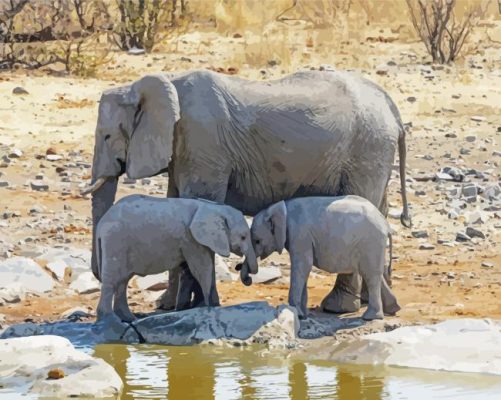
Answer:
(442, 103)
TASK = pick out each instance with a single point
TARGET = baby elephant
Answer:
(142, 235)
(336, 234)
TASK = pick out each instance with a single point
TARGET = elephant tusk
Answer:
(94, 187)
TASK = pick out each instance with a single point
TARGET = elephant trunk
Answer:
(248, 266)
(102, 200)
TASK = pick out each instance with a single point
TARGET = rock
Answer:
(426, 246)
(223, 272)
(411, 99)
(76, 314)
(53, 157)
(471, 138)
(4, 184)
(129, 181)
(487, 264)
(469, 190)
(382, 69)
(152, 282)
(478, 118)
(420, 234)
(266, 275)
(13, 293)
(25, 272)
(59, 269)
(27, 362)
(15, 153)
(85, 283)
(462, 237)
(39, 186)
(476, 217)
(19, 91)
(136, 52)
(491, 192)
(460, 345)
(472, 232)
(50, 151)
(78, 260)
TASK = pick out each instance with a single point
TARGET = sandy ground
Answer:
(59, 113)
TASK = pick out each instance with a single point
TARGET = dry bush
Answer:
(321, 13)
(144, 23)
(37, 34)
(442, 27)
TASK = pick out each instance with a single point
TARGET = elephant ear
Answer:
(210, 229)
(276, 215)
(155, 104)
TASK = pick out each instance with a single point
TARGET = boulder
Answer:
(25, 274)
(152, 282)
(85, 283)
(267, 275)
(27, 363)
(460, 345)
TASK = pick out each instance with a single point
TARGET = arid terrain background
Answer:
(447, 265)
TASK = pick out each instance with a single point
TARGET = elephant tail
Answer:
(96, 269)
(405, 218)
(387, 271)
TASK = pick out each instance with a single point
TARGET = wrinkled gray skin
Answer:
(344, 235)
(142, 235)
(250, 144)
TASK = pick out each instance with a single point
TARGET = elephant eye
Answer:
(107, 137)
(257, 241)
(243, 237)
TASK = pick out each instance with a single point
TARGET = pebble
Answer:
(471, 138)
(19, 90)
(472, 232)
(420, 234)
(53, 157)
(426, 246)
(39, 186)
(487, 264)
(4, 184)
(478, 118)
(15, 153)
(469, 190)
(462, 237)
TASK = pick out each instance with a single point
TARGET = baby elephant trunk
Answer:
(244, 273)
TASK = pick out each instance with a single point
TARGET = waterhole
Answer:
(209, 372)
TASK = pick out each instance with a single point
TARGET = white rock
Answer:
(476, 217)
(59, 268)
(53, 157)
(266, 275)
(223, 272)
(25, 272)
(25, 363)
(12, 293)
(85, 283)
(461, 345)
(150, 281)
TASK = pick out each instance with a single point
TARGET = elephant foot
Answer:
(340, 302)
(370, 314)
(344, 297)
(167, 301)
(391, 309)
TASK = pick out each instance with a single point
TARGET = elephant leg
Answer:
(390, 304)
(301, 264)
(120, 305)
(168, 299)
(344, 297)
(186, 284)
(105, 305)
(201, 264)
(371, 268)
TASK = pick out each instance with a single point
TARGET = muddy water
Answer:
(207, 372)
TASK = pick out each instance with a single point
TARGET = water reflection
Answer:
(203, 372)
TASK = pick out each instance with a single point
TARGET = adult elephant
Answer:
(250, 144)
